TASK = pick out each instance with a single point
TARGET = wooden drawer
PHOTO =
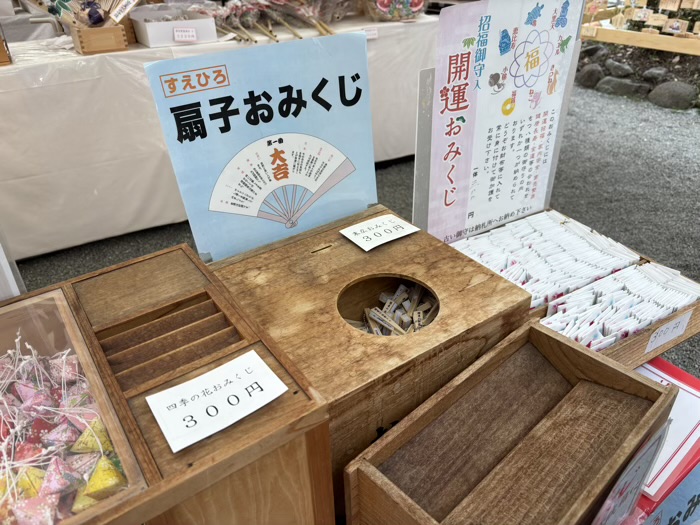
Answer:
(534, 432)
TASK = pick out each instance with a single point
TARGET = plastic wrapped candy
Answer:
(62, 460)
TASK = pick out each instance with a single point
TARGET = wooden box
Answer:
(91, 41)
(533, 433)
(158, 321)
(46, 323)
(297, 292)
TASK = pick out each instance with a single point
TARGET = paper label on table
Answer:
(501, 75)
(628, 488)
(372, 33)
(203, 406)
(377, 231)
(264, 153)
(122, 9)
(184, 34)
(669, 331)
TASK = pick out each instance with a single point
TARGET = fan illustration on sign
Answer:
(279, 177)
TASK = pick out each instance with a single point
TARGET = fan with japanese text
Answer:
(279, 177)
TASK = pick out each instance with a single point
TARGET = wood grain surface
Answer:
(443, 463)
(128, 290)
(292, 291)
(538, 481)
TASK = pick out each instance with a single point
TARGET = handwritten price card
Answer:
(377, 231)
(203, 406)
(668, 332)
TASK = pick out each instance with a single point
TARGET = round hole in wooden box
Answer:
(388, 305)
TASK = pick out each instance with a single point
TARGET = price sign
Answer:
(377, 231)
(198, 408)
(669, 331)
(184, 34)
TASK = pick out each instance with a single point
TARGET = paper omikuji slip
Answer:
(57, 458)
(620, 305)
(548, 254)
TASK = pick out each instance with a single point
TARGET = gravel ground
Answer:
(627, 168)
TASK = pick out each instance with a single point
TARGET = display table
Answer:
(83, 156)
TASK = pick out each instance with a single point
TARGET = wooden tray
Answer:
(45, 321)
(533, 433)
(295, 291)
(160, 320)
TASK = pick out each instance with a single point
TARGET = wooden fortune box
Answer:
(156, 322)
(535, 432)
(298, 293)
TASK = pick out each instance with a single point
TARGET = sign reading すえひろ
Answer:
(270, 141)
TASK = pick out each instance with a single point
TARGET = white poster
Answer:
(500, 81)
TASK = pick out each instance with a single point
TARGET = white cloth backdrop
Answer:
(82, 156)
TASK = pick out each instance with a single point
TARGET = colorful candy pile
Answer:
(56, 458)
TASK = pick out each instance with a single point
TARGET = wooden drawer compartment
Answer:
(192, 329)
(533, 433)
(164, 319)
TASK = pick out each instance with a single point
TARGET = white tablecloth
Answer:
(82, 155)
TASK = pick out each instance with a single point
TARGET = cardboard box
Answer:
(534, 432)
(197, 29)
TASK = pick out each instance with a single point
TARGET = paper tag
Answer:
(122, 9)
(372, 33)
(628, 488)
(669, 331)
(203, 406)
(184, 34)
(377, 231)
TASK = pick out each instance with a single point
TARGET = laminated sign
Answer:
(270, 141)
(501, 77)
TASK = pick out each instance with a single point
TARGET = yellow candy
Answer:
(30, 480)
(88, 440)
(105, 481)
(82, 502)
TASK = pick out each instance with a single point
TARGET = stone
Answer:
(655, 74)
(601, 54)
(591, 50)
(618, 69)
(674, 95)
(590, 75)
(623, 87)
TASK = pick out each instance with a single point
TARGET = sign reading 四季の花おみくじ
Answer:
(270, 141)
(500, 80)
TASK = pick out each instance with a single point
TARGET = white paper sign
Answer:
(377, 231)
(669, 331)
(184, 34)
(122, 9)
(628, 488)
(194, 410)
(372, 33)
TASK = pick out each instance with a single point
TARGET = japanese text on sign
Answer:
(191, 124)
(377, 231)
(198, 408)
(668, 332)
